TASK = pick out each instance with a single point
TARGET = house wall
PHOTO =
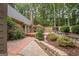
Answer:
(22, 22)
(3, 29)
(23, 27)
(20, 26)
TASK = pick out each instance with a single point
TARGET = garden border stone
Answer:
(51, 50)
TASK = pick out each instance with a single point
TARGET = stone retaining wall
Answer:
(51, 50)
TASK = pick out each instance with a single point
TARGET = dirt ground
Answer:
(71, 51)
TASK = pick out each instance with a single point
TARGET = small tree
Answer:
(40, 34)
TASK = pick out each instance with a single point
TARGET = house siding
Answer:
(3, 29)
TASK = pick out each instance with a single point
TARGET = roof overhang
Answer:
(13, 13)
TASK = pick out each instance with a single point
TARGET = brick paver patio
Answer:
(26, 46)
(33, 49)
(14, 47)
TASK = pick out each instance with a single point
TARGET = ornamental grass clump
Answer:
(52, 37)
(65, 41)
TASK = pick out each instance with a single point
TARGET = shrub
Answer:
(65, 41)
(75, 29)
(52, 37)
(10, 23)
(39, 34)
(65, 29)
(14, 31)
(18, 34)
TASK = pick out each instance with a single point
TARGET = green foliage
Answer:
(40, 34)
(65, 29)
(45, 14)
(73, 21)
(14, 32)
(18, 34)
(78, 23)
(52, 37)
(41, 20)
(65, 41)
(75, 29)
(10, 23)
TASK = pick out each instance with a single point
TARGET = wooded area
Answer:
(53, 14)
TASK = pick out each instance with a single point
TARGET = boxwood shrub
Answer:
(65, 29)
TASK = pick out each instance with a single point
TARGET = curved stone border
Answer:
(51, 50)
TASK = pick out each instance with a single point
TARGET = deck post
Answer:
(25, 29)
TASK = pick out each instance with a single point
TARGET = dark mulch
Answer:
(71, 51)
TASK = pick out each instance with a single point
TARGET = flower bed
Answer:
(72, 51)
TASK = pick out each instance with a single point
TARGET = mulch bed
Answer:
(71, 51)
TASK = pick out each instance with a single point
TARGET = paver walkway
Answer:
(26, 46)
(14, 47)
(33, 49)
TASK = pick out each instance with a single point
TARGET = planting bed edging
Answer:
(51, 50)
